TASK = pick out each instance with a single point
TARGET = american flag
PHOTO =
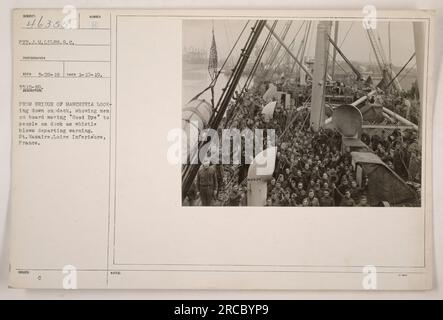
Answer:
(213, 60)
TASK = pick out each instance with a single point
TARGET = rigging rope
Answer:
(346, 35)
(338, 64)
(294, 118)
(291, 46)
(302, 48)
(407, 72)
(213, 82)
(257, 61)
(275, 45)
(252, 72)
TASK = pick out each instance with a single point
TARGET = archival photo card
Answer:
(150, 145)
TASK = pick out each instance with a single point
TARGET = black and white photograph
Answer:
(301, 113)
(148, 145)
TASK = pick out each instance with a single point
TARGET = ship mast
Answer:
(334, 52)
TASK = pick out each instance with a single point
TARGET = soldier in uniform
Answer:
(363, 201)
(347, 201)
(207, 183)
(235, 197)
(312, 200)
(327, 200)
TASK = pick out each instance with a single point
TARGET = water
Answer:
(196, 78)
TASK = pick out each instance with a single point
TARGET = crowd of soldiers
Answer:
(311, 169)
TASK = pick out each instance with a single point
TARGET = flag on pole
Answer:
(213, 59)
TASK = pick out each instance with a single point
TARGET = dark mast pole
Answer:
(191, 170)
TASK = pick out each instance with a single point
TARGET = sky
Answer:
(351, 36)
